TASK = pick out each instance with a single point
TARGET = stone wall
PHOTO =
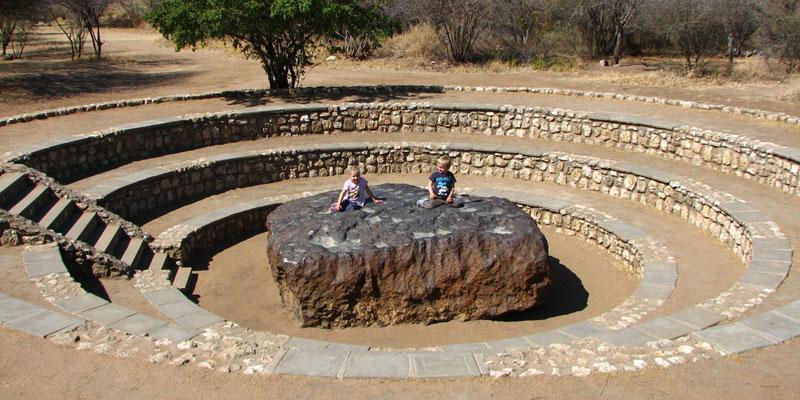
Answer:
(655, 189)
(769, 164)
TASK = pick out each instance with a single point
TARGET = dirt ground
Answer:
(139, 63)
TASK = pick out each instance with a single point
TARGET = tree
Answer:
(458, 23)
(603, 24)
(739, 23)
(16, 15)
(780, 31)
(622, 13)
(360, 31)
(90, 12)
(281, 34)
(593, 20)
(693, 26)
(516, 24)
(73, 28)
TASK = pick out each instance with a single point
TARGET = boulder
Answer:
(397, 263)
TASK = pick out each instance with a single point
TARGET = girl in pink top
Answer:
(354, 193)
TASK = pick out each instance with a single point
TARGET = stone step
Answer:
(84, 227)
(108, 239)
(59, 214)
(30, 204)
(133, 252)
(158, 262)
(12, 187)
(182, 276)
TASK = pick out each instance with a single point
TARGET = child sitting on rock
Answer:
(441, 187)
(354, 193)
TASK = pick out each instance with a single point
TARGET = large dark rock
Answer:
(397, 263)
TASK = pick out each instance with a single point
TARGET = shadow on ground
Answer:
(567, 295)
(389, 95)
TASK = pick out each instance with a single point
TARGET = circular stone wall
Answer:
(398, 263)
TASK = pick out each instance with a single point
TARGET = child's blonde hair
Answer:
(444, 161)
(355, 171)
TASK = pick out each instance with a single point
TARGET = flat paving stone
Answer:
(44, 323)
(665, 328)
(510, 343)
(81, 303)
(650, 291)
(550, 337)
(355, 348)
(582, 330)
(697, 318)
(467, 347)
(174, 333)
(763, 279)
(297, 343)
(14, 308)
(138, 324)
(43, 260)
(372, 364)
(164, 296)
(199, 320)
(443, 364)
(774, 325)
(630, 336)
(107, 314)
(734, 338)
(770, 266)
(791, 310)
(179, 309)
(311, 363)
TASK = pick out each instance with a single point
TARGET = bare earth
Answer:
(234, 280)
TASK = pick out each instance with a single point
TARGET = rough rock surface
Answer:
(398, 263)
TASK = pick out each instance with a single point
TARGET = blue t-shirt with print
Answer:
(443, 183)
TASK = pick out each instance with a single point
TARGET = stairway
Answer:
(41, 205)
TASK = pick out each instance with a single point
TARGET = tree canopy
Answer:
(282, 34)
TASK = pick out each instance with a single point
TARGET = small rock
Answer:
(580, 371)
(604, 367)
(254, 369)
(186, 345)
(182, 360)
(639, 364)
(531, 372)
(331, 59)
(160, 357)
(685, 349)
(501, 373)
(102, 348)
(207, 364)
(662, 362)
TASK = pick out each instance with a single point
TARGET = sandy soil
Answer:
(238, 284)
(141, 63)
(770, 373)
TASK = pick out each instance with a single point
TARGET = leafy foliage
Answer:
(282, 34)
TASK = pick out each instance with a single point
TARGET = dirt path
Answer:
(47, 371)
(139, 63)
(18, 135)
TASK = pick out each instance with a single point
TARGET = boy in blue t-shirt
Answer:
(441, 185)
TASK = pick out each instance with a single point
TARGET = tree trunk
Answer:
(730, 49)
(618, 45)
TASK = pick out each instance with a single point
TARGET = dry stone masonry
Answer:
(71, 159)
